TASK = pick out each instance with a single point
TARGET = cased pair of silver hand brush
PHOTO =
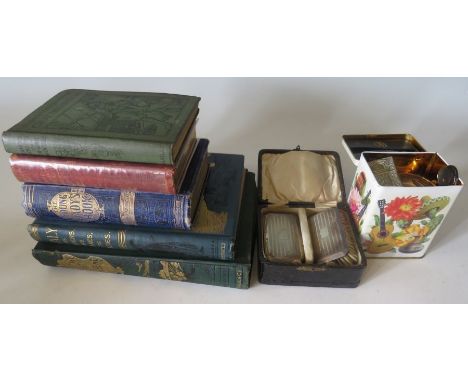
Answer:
(284, 243)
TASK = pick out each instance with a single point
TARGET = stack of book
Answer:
(118, 182)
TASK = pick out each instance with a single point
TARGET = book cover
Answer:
(211, 237)
(93, 173)
(228, 274)
(146, 177)
(107, 125)
(105, 206)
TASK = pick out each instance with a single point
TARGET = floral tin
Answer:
(398, 221)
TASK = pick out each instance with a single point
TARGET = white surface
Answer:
(243, 116)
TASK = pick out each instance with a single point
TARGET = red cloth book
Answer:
(95, 173)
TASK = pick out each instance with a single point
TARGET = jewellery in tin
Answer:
(385, 172)
(413, 180)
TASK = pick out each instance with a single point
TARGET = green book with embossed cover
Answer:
(107, 125)
(234, 274)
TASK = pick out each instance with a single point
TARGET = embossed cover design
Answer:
(126, 126)
(94, 173)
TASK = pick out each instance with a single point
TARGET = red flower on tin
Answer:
(403, 208)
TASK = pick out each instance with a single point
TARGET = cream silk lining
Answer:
(300, 176)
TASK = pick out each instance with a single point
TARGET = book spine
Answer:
(145, 241)
(87, 147)
(107, 206)
(220, 274)
(93, 173)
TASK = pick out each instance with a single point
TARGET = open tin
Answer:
(399, 220)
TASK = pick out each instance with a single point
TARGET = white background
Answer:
(244, 115)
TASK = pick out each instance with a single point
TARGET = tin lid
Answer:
(355, 145)
(300, 177)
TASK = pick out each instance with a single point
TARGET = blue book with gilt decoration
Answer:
(104, 206)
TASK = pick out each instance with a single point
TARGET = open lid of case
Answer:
(355, 145)
(300, 177)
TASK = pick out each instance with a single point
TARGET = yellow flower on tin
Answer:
(417, 230)
(404, 239)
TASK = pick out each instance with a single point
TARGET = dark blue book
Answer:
(213, 230)
(104, 206)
